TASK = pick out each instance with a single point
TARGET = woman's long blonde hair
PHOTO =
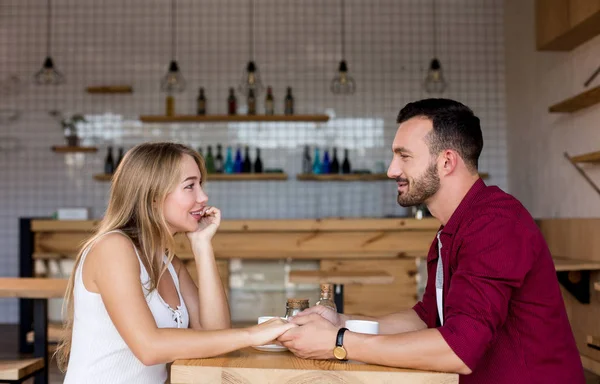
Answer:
(147, 173)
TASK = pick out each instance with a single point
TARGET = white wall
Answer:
(539, 175)
(389, 45)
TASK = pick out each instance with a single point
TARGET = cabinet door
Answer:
(380, 299)
(581, 10)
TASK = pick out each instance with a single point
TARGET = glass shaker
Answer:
(295, 306)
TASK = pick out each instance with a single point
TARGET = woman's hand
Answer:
(207, 226)
(268, 331)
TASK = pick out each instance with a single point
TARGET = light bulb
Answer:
(342, 83)
(250, 80)
(173, 81)
(435, 82)
(48, 75)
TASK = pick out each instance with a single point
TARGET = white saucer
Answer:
(271, 348)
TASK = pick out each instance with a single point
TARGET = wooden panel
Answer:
(341, 277)
(32, 288)
(18, 369)
(580, 101)
(565, 24)
(222, 266)
(552, 21)
(232, 118)
(575, 265)
(403, 224)
(107, 89)
(581, 10)
(249, 366)
(593, 340)
(590, 364)
(572, 238)
(55, 333)
(593, 157)
(375, 300)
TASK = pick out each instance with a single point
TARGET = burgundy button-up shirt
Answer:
(503, 311)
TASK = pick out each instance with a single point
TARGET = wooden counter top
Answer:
(32, 288)
(250, 366)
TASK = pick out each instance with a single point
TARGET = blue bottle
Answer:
(228, 167)
(237, 166)
(325, 164)
(316, 167)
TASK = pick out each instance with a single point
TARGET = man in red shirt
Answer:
(492, 309)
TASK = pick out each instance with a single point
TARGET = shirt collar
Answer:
(463, 208)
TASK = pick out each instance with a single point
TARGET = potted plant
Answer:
(69, 126)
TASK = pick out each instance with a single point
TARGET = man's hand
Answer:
(313, 339)
(325, 312)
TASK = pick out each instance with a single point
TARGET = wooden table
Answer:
(40, 290)
(338, 279)
(249, 366)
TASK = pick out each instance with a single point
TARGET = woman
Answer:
(132, 305)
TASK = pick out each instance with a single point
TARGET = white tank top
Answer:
(99, 355)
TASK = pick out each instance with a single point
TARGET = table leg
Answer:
(338, 297)
(40, 339)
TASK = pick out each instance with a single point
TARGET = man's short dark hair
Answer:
(455, 127)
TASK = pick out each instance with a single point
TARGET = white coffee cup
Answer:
(363, 326)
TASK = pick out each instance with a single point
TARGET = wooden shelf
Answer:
(597, 286)
(593, 157)
(577, 102)
(593, 341)
(562, 265)
(340, 277)
(343, 177)
(65, 149)
(233, 118)
(109, 89)
(352, 177)
(225, 177)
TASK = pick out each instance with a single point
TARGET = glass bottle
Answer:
(346, 163)
(326, 298)
(289, 102)
(251, 103)
(325, 163)
(306, 161)
(209, 160)
(219, 159)
(231, 103)
(109, 162)
(246, 164)
(258, 165)
(237, 165)
(316, 167)
(295, 306)
(228, 167)
(201, 103)
(335, 164)
(269, 102)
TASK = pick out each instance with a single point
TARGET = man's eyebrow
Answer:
(402, 150)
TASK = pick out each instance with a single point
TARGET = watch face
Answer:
(339, 353)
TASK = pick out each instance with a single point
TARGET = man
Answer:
(492, 310)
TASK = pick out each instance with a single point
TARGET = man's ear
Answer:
(448, 161)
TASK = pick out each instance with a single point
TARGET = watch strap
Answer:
(339, 340)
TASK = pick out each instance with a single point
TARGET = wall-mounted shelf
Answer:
(232, 118)
(109, 89)
(343, 177)
(224, 177)
(574, 275)
(67, 149)
(593, 157)
(353, 177)
(577, 102)
(593, 342)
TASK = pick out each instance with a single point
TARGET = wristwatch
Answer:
(339, 351)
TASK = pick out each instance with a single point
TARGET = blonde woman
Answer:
(132, 307)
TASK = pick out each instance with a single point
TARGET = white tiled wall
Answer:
(297, 44)
(540, 176)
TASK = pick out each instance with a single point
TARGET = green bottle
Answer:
(210, 161)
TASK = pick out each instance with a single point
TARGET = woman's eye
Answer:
(191, 186)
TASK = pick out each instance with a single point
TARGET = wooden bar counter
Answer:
(249, 366)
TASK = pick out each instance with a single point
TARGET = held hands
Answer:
(207, 225)
(325, 312)
(268, 331)
(313, 339)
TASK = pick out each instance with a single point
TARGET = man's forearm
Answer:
(405, 321)
(425, 349)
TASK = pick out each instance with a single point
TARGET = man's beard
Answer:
(420, 189)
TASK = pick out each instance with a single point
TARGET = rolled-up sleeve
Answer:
(492, 261)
